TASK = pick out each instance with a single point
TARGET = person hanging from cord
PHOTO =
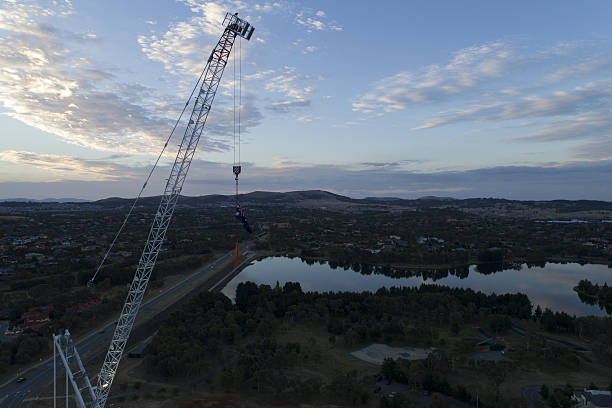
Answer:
(240, 215)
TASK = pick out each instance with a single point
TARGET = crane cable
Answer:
(237, 164)
(91, 281)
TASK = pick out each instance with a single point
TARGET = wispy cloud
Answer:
(601, 64)
(596, 150)
(67, 167)
(288, 90)
(436, 83)
(308, 118)
(590, 97)
(316, 20)
(582, 126)
(568, 95)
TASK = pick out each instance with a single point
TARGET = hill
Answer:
(496, 207)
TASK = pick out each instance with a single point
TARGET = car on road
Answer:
(20, 379)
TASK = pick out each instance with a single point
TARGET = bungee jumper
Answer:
(239, 211)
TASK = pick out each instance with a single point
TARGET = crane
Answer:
(89, 396)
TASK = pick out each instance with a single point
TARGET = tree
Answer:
(544, 392)
(538, 313)
(389, 369)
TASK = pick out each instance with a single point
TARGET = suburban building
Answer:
(592, 399)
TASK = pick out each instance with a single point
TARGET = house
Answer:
(36, 317)
(592, 399)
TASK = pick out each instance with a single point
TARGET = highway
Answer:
(13, 393)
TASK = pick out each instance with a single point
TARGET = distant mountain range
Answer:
(325, 199)
(44, 200)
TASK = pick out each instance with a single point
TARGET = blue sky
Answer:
(405, 99)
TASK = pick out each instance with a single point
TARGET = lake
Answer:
(549, 286)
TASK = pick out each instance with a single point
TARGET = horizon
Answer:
(66, 200)
(464, 101)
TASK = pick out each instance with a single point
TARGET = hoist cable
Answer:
(239, 96)
(234, 105)
(91, 281)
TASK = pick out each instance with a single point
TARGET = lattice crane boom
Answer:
(213, 71)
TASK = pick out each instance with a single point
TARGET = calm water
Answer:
(550, 286)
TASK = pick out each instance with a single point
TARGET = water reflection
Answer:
(549, 285)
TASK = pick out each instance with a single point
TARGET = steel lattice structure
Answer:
(213, 71)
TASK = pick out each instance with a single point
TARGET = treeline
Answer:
(593, 294)
(433, 274)
(352, 256)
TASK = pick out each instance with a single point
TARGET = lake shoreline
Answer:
(548, 286)
(507, 264)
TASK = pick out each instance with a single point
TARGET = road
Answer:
(12, 393)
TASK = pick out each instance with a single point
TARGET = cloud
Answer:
(179, 49)
(568, 98)
(68, 167)
(391, 165)
(308, 118)
(47, 85)
(596, 150)
(583, 126)
(269, 6)
(309, 49)
(43, 84)
(221, 121)
(289, 90)
(316, 21)
(589, 97)
(286, 106)
(287, 83)
(468, 68)
(591, 65)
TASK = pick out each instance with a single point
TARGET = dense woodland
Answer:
(238, 347)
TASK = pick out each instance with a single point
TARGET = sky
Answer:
(392, 98)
